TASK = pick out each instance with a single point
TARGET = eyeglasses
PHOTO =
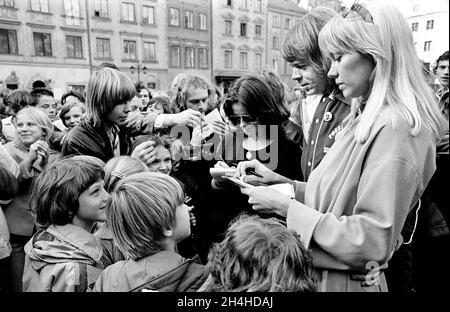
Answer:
(237, 119)
(363, 12)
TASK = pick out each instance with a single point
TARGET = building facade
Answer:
(282, 15)
(44, 43)
(429, 22)
(131, 34)
(239, 46)
(188, 37)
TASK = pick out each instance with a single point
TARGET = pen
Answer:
(250, 171)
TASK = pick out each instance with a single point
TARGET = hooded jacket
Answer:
(61, 259)
(165, 271)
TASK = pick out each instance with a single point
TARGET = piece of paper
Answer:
(214, 115)
(284, 188)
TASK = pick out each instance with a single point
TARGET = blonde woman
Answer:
(32, 153)
(353, 207)
(147, 218)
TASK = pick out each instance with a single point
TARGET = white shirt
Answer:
(309, 106)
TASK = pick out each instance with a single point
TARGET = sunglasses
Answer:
(237, 119)
(363, 12)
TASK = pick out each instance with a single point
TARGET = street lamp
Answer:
(144, 70)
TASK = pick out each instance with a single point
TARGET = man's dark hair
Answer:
(74, 93)
(443, 57)
(37, 93)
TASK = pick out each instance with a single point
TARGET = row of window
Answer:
(244, 4)
(415, 26)
(243, 59)
(188, 20)
(288, 22)
(193, 57)
(71, 7)
(243, 29)
(128, 12)
(74, 46)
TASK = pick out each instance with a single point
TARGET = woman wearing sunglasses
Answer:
(352, 209)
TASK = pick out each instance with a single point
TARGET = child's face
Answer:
(73, 117)
(182, 227)
(28, 131)
(162, 162)
(92, 203)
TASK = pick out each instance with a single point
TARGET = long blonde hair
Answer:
(397, 81)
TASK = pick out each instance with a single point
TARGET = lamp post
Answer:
(139, 69)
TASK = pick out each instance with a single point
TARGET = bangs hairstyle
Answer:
(55, 193)
(141, 208)
(261, 255)
(301, 47)
(120, 167)
(258, 99)
(397, 82)
(18, 99)
(107, 88)
(67, 107)
(39, 118)
(191, 82)
(165, 141)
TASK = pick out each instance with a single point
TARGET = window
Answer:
(188, 19)
(150, 51)
(8, 41)
(276, 21)
(275, 65)
(258, 31)
(72, 8)
(74, 48)
(203, 58)
(430, 24)
(128, 12)
(228, 28)
(103, 48)
(276, 43)
(174, 19)
(243, 64)
(202, 21)
(189, 55)
(427, 46)
(228, 59)
(229, 3)
(416, 7)
(148, 15)
(258, 60)
(175, 56)
(243, 29)
(101, 8)
(7, 3)
(42, 44)
(129, 50)
(258, 6)
(415, 26)
(39, 6)
(244, 4)
(288, 23)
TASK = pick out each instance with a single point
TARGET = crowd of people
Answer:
(113, 190)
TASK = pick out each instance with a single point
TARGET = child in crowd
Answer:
(68, 198)
(147, 218)
(115, 170)
(259, 255)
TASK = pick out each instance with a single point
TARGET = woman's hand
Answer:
(269, 177)
(220, 127)
(267, 200)
(145, 152)
(38, 148)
